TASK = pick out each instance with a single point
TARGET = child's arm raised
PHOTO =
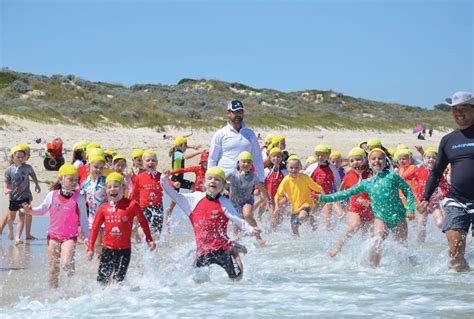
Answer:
(182, 201)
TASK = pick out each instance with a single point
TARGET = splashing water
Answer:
(287, 277)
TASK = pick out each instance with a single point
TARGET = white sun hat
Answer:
(461, 98)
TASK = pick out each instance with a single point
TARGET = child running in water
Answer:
(297, 188)
(241, 185)
(137, 163)
(199, 171)
(17, 186)
(117, 216)
(420, 174)
(119, 165)
(209, 213)
(178, 157)
(389, 212)
(274, 174)
(93, 189)
(324, 173)
(360, 212)
(67, 210)
(148, 192)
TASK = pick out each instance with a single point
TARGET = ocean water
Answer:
(286, 278)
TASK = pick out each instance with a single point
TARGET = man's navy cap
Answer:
(234, 106)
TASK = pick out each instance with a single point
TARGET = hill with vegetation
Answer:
(197, 104)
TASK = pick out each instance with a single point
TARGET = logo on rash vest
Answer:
(115, 230)
(57, 205)
(215, 213)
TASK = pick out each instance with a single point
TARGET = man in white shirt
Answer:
(231, 140)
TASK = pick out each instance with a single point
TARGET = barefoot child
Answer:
(209, 214)
(360, 212)
(297, 188)
(117, 216)
(17, 187)
(241, 186)
(67, 209)
(389, 212)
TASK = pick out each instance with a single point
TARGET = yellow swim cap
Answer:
(117, 157)
(67, 169)
(16, 149)
(138, 152)
(357, 151)
(23, 147)
(216, 170)
(391, 152)
(180, 140)
(362, 142)
(311, 159)
(335, 154)
(376, 150)
(374, 142)
(431, 150)
(149, 152)
(275, 150)
(402, 152)
(91, 146)
(96, 154)
(245, 155)
(293, 158)
(269, 138)
(82, 145)
(401, 147)
(115, 177)
(277, 139)
(110, 152)
(322, 148)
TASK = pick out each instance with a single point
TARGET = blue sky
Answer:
(410, 52)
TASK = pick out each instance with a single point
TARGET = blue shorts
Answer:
(457, 218)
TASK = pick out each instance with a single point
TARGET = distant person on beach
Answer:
(67, 209)
(457, 149)
(430, 131)
(234, 138)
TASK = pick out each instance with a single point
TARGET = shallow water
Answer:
(288, 277)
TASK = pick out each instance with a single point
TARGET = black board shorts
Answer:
(113, 264)
(223, 258)
(15, 205)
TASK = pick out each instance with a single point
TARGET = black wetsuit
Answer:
(457, 149)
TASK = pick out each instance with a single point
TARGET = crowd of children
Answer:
(100, 201)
